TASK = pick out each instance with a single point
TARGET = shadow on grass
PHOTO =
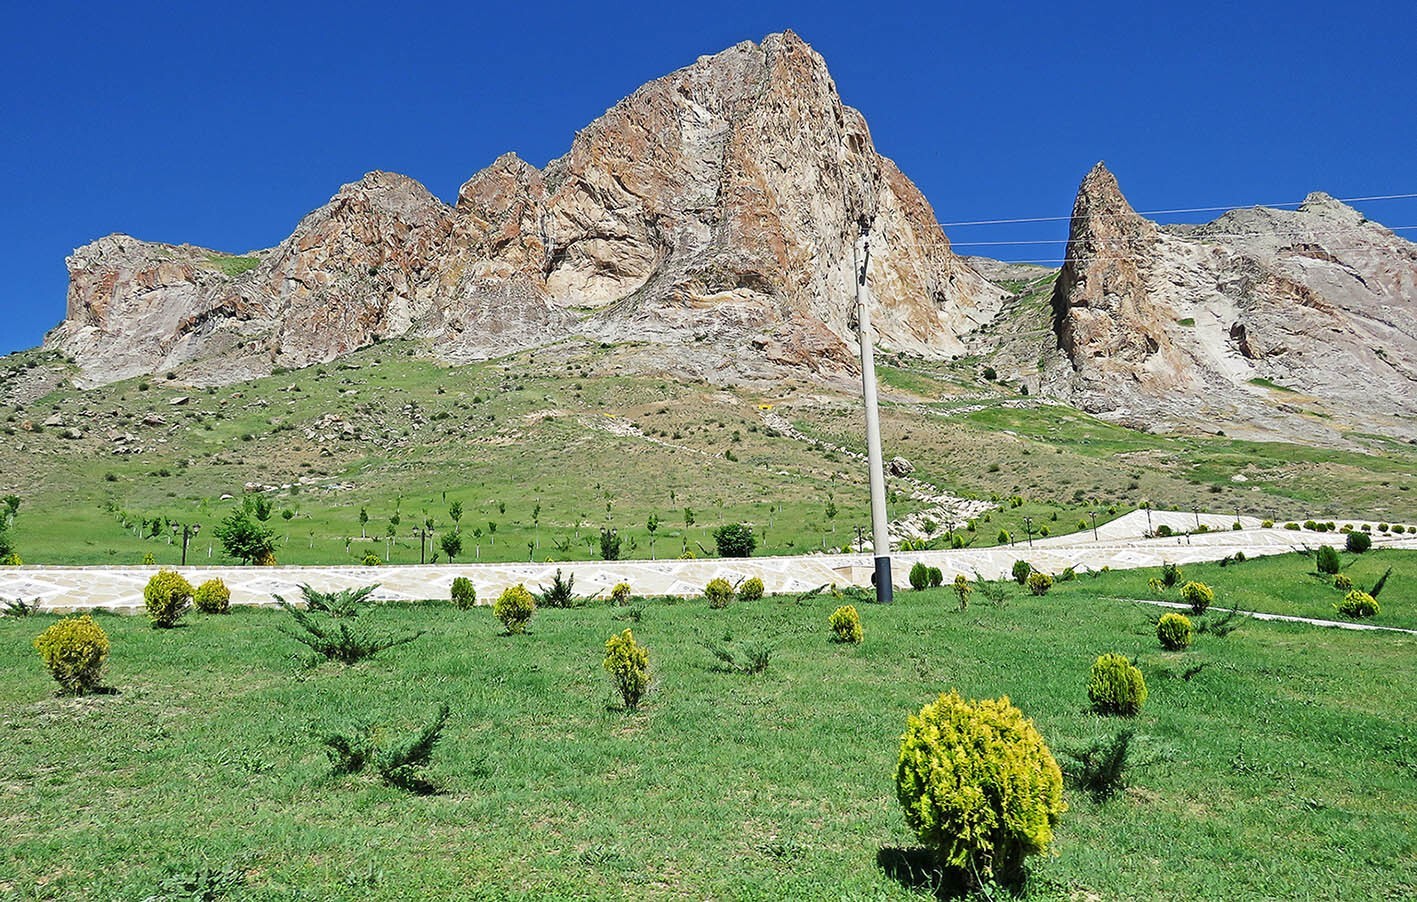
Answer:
(917, 869)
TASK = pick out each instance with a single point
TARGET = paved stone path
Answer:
(1118, 545)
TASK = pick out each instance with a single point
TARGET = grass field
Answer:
(1276, 762)
(552, 446)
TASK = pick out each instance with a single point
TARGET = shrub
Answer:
(1021, 571)
(1198, 595)
(1174, 632)
(751, 590)
(558, 594)
(463, 594)
(1164, 531)
(1326, 560)
(1358, 542)
(1358, 603)
(1100, 769)
(719, 592)
(212, 597)
(735, 540)
(937, 577)
(919, 576)
(1003, 537)
(1382, 527)
(846, 625)
(343, 603)
(978, 784)
(370, 559)
(753, 656)
(1170, 574)
(1267, 524)
(399, 765)
(1039, 583)
(1116, 686)
(514, 608)
(74, 649)
(167, 597)
(962, 590)
(621, 592)
(1291, 525)
(609, 544)
(627, 662)
(245, 538)
(338, 641)
(1342, 582)
(1156, 585)
(1068, 575)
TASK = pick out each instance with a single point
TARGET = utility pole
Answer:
(880, 537)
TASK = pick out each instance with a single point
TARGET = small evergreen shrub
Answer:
(1068, 575)
(463, 593)
(1267, 524)
(846, 625)
(627, 662)
(1326, 560)
(1003, 537)
(1170, 574)
(735, 540)
(212, 597)
(978, 785)
(336, 639)
(1164, 531)
(1358, 542)
(962, 591)
(1358, 603)
(620, 594)
(167, 597)
(340, 604)
(1021, 571)
(1039, 583)
(1116, 686)
(559, 594)
(719, 592)
(751, 590)
(937, 577)
(1292, 525)
(1174, 632)
(1342, 582)
(400, 765)
(1199, 596)
(514, 608)
(74, 649)
(919, 576)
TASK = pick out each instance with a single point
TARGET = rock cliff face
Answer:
(1262, 322)
(712, 214)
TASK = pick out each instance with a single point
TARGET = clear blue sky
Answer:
(222, 124)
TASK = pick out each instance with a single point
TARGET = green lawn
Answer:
(1276, 762)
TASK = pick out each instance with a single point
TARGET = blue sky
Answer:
(222, 124)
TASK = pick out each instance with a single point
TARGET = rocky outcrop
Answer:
(1263, 322)
(711, 214)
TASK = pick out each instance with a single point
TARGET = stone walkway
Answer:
(1118, 545)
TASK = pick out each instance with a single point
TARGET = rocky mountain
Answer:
(1264, 322)
(711, 215)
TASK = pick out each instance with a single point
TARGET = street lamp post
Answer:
(1094, 525)
(423, 533)
(1028, 528)
(188, 532)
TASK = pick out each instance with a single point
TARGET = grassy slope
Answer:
(531, 429)
(1284, 768)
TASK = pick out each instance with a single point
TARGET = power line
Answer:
(1208, 236)
(1343, 200)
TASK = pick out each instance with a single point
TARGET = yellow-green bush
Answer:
(167, 597)
(621, 593)
(370, 559)
(751, 590)
(962, 590)
(12, 560)
(719, 592)
(212, 597)
(74, 650)
(978, 784)
(462, 593)
(1174, 632)
(1199, 596)
(1358, 603)
(1116, 686)
(514, 608)
(1342, 582)
(1039, 583)
(846, 624)
(627, 662)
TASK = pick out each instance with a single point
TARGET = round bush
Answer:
(167, 597)
(846, 625)
(74, 650)
(1116, 686)
(1358, 603)
(1358, 542)
(1199, 596)
(1326, 559)
(1174, 632)
(751, 590)
(1039, 583)
(462, 593)
(719, 592)
(514, 608)
(1021, 571)
(620, 593)
(937, 577)
(735, 540)
(370, 559)
(212, 597)
(919, 576)
(627, 662)
(978, 784)
(1342, 583)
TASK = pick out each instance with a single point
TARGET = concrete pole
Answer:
(880, 538)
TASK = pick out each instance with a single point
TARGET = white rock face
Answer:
(711, 213)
